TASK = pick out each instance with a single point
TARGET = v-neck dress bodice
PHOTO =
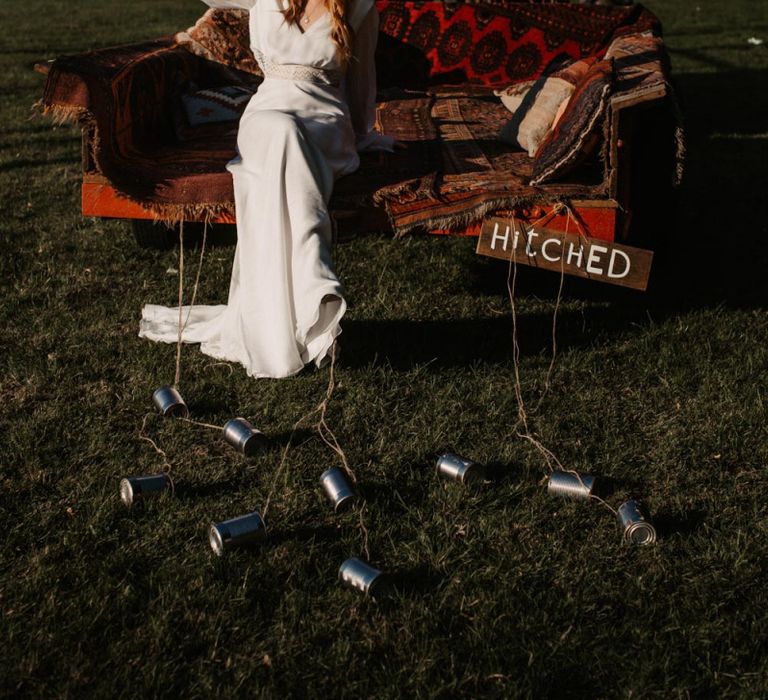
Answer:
(300, 132)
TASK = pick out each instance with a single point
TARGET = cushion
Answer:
(512, 96)
(640, 61)
(574, 138)
(537, 111)
(218, 104)
(222, 36)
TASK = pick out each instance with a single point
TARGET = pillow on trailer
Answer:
(222, 36)
(217, 104)
(535, 111)
(575, 136)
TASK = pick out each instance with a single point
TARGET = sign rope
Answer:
(549, 457)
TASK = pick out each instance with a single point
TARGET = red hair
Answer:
(341, 32)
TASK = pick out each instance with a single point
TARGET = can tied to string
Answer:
(243, 531)
(570, 485)
(452, 467)
(241, 435)
(635, 527)
(169, 402)
(360, 575)
(134, 489)
(338, 489)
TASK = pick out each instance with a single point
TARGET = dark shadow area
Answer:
(668, 524)
(419, 580)
(296, 437)
(412, 493)
(304, 533)
(502, 472)
(160, 236)
(606, 486)
(209, 405)
(192, 492)
(403, 343)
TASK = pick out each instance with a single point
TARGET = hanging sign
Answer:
(590, 258)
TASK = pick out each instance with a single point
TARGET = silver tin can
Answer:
(635, 527)
(169, 402)
(237, 532)
(134, 489)
(337, 488)
(570, 485)
(358, 574)
(239, 433)
(454, 468)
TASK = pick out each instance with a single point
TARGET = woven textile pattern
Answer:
(432, 42)
(465, 171)
(222, 36)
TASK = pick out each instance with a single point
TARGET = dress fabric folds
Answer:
(300, 132)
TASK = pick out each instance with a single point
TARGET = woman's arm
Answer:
(231, 4)
(361, 87)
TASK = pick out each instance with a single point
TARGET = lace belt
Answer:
(290, 71)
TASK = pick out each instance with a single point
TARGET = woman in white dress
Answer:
(301, 131)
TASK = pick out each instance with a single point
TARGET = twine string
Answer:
(326, 434)
(283, 459)
(143, 436)
(201, 424)
(177, 376)
(363, 529)
(592, 496)
(549, 457)
(329, 438)
(184, 321)
(550, 369)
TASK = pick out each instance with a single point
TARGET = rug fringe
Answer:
(472, 215)
(64, 114)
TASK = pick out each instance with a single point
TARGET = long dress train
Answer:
(300, 132)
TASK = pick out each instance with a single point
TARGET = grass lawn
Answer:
(502, 590)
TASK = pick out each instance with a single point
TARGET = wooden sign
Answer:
(591, 258)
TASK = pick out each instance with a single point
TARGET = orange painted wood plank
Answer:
(100, 199)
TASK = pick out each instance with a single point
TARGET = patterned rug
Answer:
(455, 169)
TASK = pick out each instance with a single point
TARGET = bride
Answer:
(301, 131)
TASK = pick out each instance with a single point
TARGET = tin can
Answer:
(635, 527)
(570, 485)
(239, 433)
(169, 402)
(134, 489)
(337, 488)
(358, 574)
(454, 468)
(242, 531)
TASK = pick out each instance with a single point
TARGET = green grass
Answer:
(501, 590)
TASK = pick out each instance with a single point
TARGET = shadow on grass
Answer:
(688, 523)
(414, 581)
(193, 492)
(403, 344)
(304, 533)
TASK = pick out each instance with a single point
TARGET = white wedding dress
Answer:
(299, 133)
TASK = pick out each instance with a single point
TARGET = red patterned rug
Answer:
(433, 42)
